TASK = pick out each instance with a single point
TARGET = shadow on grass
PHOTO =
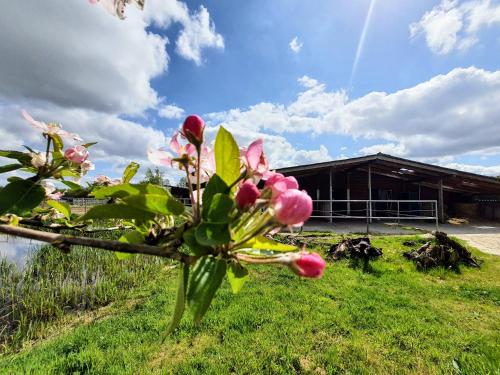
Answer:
(365, 266)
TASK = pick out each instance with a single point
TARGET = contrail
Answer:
(361, 42)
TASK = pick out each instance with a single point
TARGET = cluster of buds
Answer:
(75, 157)
(264, 201)
(102, 180)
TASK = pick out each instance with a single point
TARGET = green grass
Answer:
(392, 320)
(53, 284)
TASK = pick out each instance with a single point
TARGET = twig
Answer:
(64, 242)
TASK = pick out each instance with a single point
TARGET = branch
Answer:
(64, 243)
(59, 227)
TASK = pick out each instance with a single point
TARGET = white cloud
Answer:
(446, 116)
(118, 139)
(76, 55)
(474, 168)
(199, 33)
(278, 150)
(73, 63)
(452, 25)
(295, 45)
(171, 111)
(387, 148)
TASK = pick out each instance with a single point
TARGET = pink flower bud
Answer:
(293, 207)
(308, 265)
(279, 184)
(247, 195)
(193, 128)
(76, 154)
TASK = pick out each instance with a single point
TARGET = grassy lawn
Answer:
(391, 320)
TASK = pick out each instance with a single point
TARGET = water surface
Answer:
(17, 250)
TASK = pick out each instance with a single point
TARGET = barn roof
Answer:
(405, 169)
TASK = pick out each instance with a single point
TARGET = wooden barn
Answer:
(383, 186)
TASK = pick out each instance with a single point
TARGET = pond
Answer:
(17, 250)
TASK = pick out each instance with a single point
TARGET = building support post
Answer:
(441, 202)
(370, 191)
(348, 190)
(331, 194)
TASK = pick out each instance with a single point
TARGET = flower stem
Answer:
(198, 186)
(47, 151)
(186, 167)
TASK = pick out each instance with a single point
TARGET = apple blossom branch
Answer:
(64, 243)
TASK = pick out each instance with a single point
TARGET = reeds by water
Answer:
(52, 284)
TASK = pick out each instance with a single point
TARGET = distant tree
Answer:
(182, 182)
(155, 176)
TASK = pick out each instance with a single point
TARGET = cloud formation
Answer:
(446, 116)
(295, 45)
(454, 25)
(171, 111)
(73, 63)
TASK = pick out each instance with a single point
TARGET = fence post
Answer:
(368, 217)
(436, 215)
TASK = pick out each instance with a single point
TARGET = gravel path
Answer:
(487, 243)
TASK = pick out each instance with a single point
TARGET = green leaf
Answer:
(14, 178)
(206, 278)
(125, 190)
(116, 211)
(236, 275)
(217, 212)
(180, 302)
(58, 156)
(215, 185)
(23, 158)
(62, 207)
(227, 157)
(209, 234)
(20, 196)
(10, 167)
(89, 144)
(190, 240)
(71, 185)
(264, 243)
(158, 204)
(69, 173)
(130, 172)
(129, 237)
(57, 141)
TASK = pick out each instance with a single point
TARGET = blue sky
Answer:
(424, 86)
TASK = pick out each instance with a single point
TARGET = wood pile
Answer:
(354, 248)
(442, 251)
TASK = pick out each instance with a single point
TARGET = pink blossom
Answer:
(162, 157)
(117, 7)
(192, 129)
(50, 129)
(247, 195)
(255, 161)
(207, 163)
(106, 181)
(308, 265)
(87, 165)
(38, 159)
(50, 190)
(293, 207)
(77, 154)
(279, 184)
